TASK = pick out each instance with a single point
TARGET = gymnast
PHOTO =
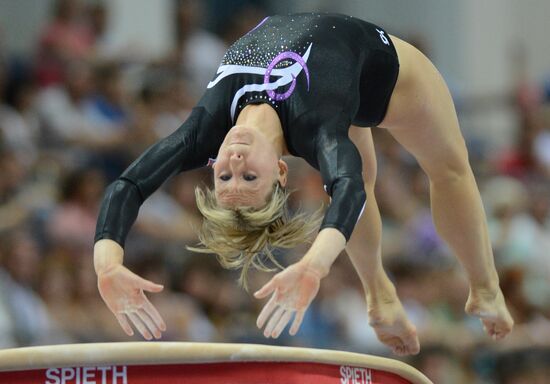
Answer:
(308, 85)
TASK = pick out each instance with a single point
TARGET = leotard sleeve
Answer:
(189, 147)
(341, 170)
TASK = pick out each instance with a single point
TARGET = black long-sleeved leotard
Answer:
(320, 72)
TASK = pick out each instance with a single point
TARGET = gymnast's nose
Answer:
(236, 159)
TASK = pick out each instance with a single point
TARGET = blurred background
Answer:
(86, 86)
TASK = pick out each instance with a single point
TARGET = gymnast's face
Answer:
(246, 168)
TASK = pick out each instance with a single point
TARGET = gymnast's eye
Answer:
(225, 177)
(249, 177)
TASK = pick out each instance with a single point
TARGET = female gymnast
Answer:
(308, 85)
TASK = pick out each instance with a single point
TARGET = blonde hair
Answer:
(240, 236)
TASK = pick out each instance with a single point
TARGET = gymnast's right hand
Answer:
(123, 292)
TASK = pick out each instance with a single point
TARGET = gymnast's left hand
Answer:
(293, 289)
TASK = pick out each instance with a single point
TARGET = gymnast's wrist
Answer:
(316, 267)
(324, 251)
(107, 255)
(319, 262)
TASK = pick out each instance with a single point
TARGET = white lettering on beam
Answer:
(87, 375)
(355, 375)
(121, 374)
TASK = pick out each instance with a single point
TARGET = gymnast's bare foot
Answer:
(389, 320)
(489, 306)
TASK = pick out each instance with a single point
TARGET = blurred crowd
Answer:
(76, 113)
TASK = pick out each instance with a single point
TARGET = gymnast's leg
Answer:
(421, 117)
(386, 314)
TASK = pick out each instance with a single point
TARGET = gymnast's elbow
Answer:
(355, 190)
(349, 194)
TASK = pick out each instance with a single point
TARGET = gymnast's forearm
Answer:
(348, 200)
(328, 244)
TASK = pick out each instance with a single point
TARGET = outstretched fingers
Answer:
(151, 326)
(266, 311)
(138, 323)
(273, 321)
(148, 286)
(124, 323)
(292, 291)
(279, 319)
(283, 321)
(123, 292)
(297, 322)
(147, 321)
(266, 289)
(154, 314)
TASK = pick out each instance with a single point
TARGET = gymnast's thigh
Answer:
(421, 115)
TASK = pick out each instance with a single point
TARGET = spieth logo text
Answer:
(354, 375)
(87, 375)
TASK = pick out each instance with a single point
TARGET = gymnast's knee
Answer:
(452, 167)
(369, 179)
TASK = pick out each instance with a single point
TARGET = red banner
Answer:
(219, 373)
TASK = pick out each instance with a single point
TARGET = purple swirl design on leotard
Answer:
(280, 57)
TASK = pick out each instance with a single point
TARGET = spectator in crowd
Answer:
(188, 319)
(199, 52)
(32, 323)
(66, 38)
(72, 222)
(442, 365)
(107, 108)
(62, 110)
(19, 126)
(13, 203)
(524, 366)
